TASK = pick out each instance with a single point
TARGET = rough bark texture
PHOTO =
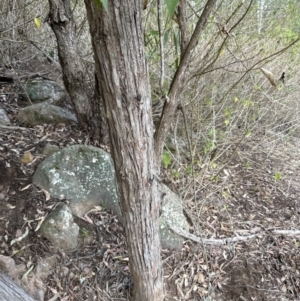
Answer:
(123, 76)
(88, 106)
(10, 291)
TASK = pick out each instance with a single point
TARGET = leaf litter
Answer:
(247, 203)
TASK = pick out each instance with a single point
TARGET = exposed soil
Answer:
(247, 200)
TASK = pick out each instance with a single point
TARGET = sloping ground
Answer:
(243, 199)
(262, 212)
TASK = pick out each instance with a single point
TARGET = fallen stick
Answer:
(222, 241)
(11, 127)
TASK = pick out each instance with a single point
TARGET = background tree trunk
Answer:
(87, 105)
(124, 83)
(10, 291)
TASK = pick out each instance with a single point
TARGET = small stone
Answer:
(7, 264)
(60, 229)
(3, 118)
(40, 295)
(86, 270)
(50, 149)
(64, 271)
(2, 196)
(26, 158)
(19, 233)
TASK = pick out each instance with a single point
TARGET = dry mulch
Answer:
(243, 198)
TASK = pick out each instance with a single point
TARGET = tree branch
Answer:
(178, 81)
(215, 241)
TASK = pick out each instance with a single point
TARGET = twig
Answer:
(12, 128)
(223, 241)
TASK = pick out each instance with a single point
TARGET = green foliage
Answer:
(277, 176)
(166, 159)
(84, 232)
(37, 22)
(189, 170)
(247, 165)
(214, 178)
(171, 6)
(176, 174)
(102, 2)
(210, 143)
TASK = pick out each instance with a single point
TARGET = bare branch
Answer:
(215, 241)
(179, 80)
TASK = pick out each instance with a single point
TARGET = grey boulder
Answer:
(85, 176)
(82, 174)
(171, 215)
(41, 113)
(40, 90)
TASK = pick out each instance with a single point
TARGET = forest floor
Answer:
(245, 201)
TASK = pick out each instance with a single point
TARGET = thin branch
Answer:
(161, 47)
(218, 52)
(12, 128)
(214, 241)
(183, 26)
(253, 67)
(178, 82)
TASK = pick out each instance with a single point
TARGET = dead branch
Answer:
(223, 241)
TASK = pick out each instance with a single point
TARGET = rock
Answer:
(50, 149)
(4, 120)
(7, 265)
(45, 266)
(45, 113)
(60, 229)
(82, 174)
(171, 214)
(40, 90)
(85, 176)
(26, 158)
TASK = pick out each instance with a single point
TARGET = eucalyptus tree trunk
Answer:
(10, 291)
(87, 102)
(122, 72)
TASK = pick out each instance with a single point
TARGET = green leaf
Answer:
(227, 111)
(37, 22)
(214, 165)
(247, 165)
(189, 170)
(171, 6)
(102, 2)
(277, 176)
(166, 159)
(176, 174)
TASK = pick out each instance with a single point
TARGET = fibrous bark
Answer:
(121, 66)
(87, 104)
(10, 291)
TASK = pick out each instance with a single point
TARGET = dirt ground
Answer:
(249, 205)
